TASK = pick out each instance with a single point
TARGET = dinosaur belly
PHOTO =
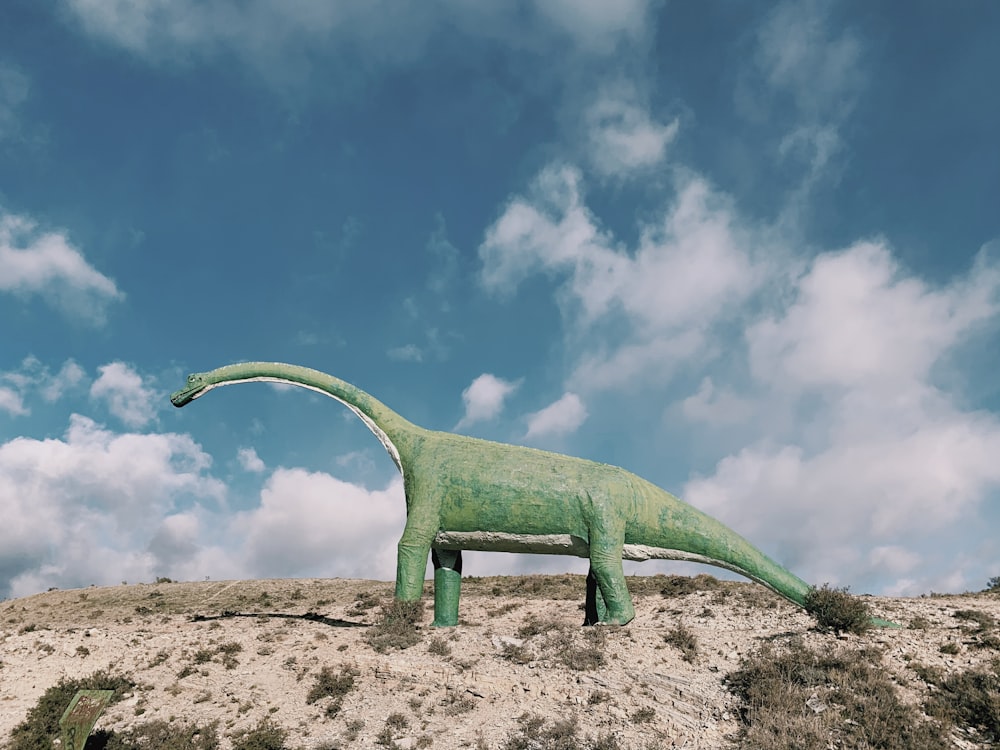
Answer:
(491, 541)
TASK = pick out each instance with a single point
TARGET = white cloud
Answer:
(714, 405)
(558, 418)
(46, 264)
(596, 24)
(250, 461)
(78, 510)
(121, 388)
(484, 398)
(859, 321)
(14, 88)
(11, 402)
(690, 270)
(33, 376)
(799, 54)
(406, 353)
(278, 32)
(883, 460)
(310, 523)
(622, 136)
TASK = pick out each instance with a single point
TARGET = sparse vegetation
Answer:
(799, 699)
(265, 736)
(333, 685)
(984, 621)
(684, 640)
(439, 647)
(41, 726)
(161, 735)
(968, 699)
(643, 715)
(396, 627)
(837, 610)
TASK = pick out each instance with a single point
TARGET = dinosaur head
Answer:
(197, 385)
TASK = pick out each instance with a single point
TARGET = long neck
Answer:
(392, 430)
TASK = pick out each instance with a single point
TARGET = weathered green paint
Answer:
(80, 716)
(466, 493)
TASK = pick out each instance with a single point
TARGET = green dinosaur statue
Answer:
(464, 493)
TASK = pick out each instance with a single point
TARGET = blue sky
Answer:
(750, 252)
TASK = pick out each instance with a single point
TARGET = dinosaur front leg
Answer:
(411, 564)
(606, 566)
(447, 586)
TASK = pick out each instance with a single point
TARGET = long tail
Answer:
(689, 534)
(393, 431)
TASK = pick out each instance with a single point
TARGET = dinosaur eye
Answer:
(192, 378)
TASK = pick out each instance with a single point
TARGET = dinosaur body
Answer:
(464, 493)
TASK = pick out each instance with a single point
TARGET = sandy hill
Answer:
(295, 652)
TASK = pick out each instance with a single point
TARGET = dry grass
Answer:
(799, 699)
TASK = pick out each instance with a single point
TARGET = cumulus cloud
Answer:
(78, 510)
(622, 137)
(11, 402)
(34, 377)
(45, 263)
(310, 523)
(558, 418)
(711, 404)
(691, 268)
(484, 399)
(122, 390)
(883, 460)
(859, 321)
(250, 461)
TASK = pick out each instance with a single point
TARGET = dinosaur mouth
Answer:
(186, 395)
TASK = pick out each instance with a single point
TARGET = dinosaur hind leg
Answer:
(595, 609)
(606, 567)
(447, 586)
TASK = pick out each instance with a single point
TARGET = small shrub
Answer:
(684, 640)
(396, 628)
(458, 704)
(265, 736)
(950, 648)
(533, 733)
(983, 620)
(919, 623)
(643, 715)
(354, 727)
(837, 610)
(678, 586)
(534, 625)
(993, 585)
(397, 721)
(439, 647)
(586, 657)
(203, 655)
(335, 686)
(515, 653)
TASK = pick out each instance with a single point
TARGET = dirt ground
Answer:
(237, 652)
